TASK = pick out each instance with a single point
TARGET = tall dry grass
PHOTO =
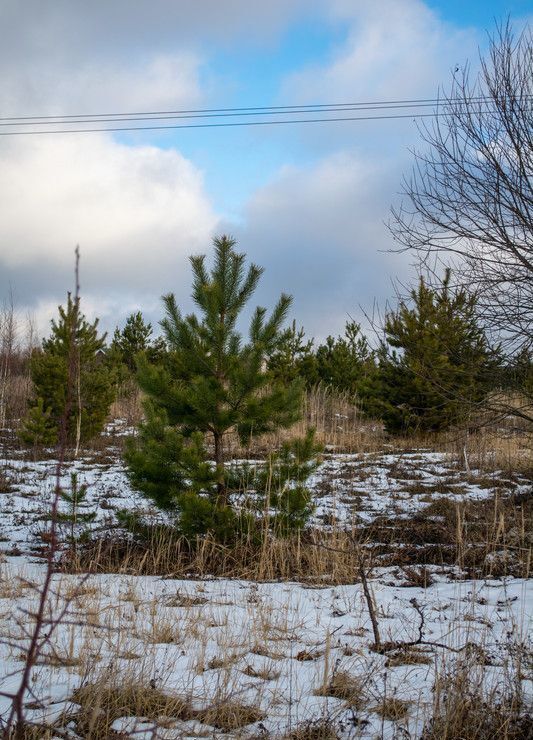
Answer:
(308, 557)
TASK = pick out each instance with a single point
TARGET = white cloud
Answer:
(394, 49)
(164, 81)
(136, 212)
(318, 231)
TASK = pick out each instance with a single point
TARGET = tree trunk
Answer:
(222, 497)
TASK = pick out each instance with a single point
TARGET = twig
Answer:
(15, 725)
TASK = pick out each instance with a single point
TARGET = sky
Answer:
(308, 202)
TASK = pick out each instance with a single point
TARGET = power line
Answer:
(256, 110)
(171, 117)
(97, 118)
(321, 108)
(213, 125)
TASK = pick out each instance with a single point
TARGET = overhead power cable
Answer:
(17, 125)
(413, 102)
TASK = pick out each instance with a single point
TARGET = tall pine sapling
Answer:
(213, 382)
(69, 365)
(436, 367)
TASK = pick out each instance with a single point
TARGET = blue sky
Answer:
(254, 74)
(308, 202)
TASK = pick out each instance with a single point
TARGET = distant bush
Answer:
(435, 365)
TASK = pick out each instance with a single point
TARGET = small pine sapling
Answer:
(70, 364)
(76, 517)
(281, 484)
(213, 382)
(38, 428)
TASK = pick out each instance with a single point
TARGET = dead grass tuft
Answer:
(393, 709)
(347, 687)
(320, 729)
(266, 673)
(101, 705)
(229, 715)
(222, 661)
(408, 656)
(416, 577)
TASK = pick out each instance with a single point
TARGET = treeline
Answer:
(431, 367)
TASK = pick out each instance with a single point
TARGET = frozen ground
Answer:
(279, 647)
(294, 653)
(347, 489)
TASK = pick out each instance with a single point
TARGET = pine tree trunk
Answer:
(219, 462)
(78, 406)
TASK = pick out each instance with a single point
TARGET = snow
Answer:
(347, 489)
(275, 646)
(299, 636)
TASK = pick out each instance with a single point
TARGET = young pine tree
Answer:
(78, 515)
(38, 428)
(133, 338)
(348, 364)
(293, 357)
(212, 381)
(436, 366)
(69, 366)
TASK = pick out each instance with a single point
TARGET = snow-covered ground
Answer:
(347, 488)
(296, 653)
(279, 647)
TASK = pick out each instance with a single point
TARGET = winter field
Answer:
(447, 566)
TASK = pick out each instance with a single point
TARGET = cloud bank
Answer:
(139, 208)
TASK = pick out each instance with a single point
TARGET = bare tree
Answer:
(469, 200)
(8, 352)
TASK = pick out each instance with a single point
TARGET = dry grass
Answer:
(223, 661)
(265, 673)
(108, 697)
(128, 405)
(101, 704)
(314, 556)
(393, 709)
(408, 656)
(465, 708)
(347, 687)
(34, 732)
(228, 715)
(488, 537)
